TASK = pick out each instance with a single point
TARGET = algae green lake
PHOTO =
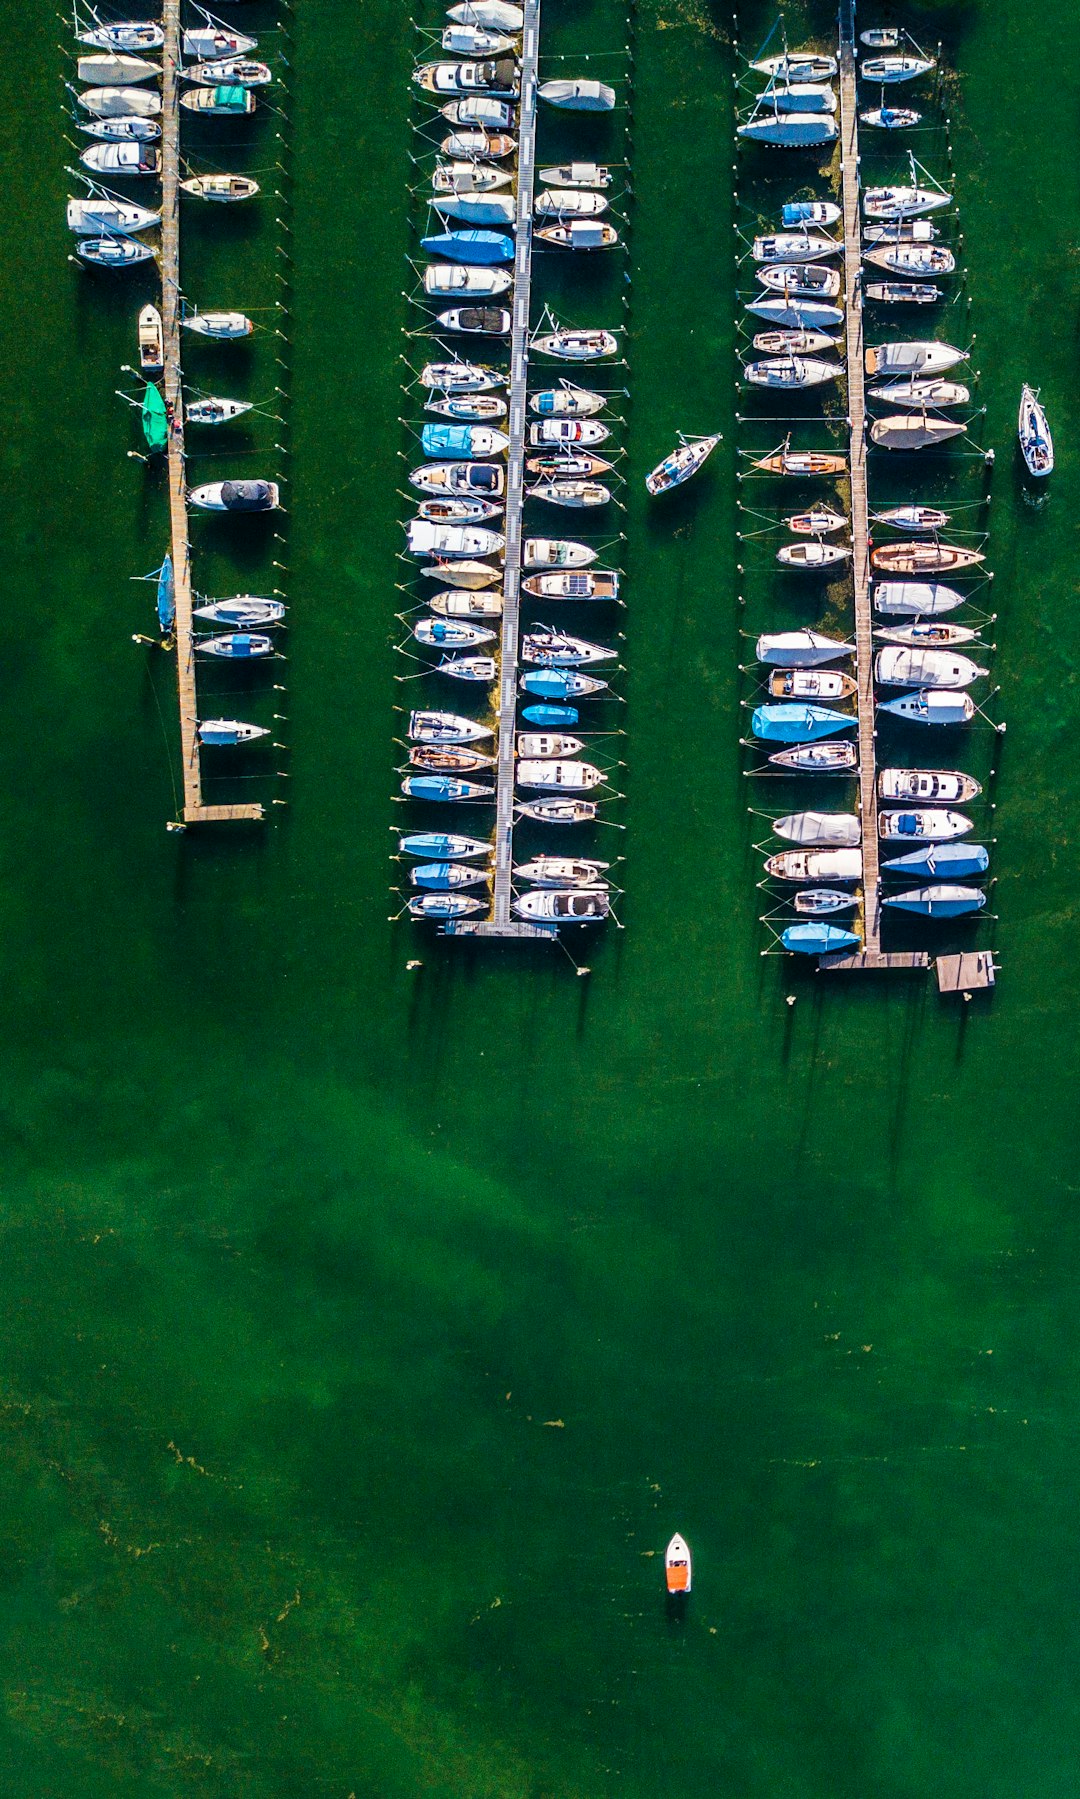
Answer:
(367, 1333)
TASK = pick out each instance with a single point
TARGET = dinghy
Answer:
(953, 860)
(923, 558)
(815, 865)
(578, 234)
(455, 602)
(121, 131)
(797, 65)
(117, 70)
(677, 1566)
(927, 786)
(497, 77)
(98, 217)
(228, 733)
(806, 648)
(799, 315)
(791, 130)
(458, 511)
(126, 160)
(479, 110)
(927, 824)
(912, 518)
(579, 494)
(590, 584)
(794, 343)
(578, 94)
(444, 905)
(943, 901)
(829, 758)
(576, 346)
(820, 521)
(812, 557)
(567, 431)
(567, 465)
(468, 178)
(444, 789)
(223, 188)
(802, 280)
(475, 40)
(243, 611)
(463, 440)
(554, 906)
(820, 830)
(226, 101)
(452, 541)
(236, 646)
(801, 462)
(891, 118)
(151, 341)
(928, 635)
(818, 939)
(445, 877)
(560, 684)
(225, 326)
(120, 103)
(569, 776)
(900, 293)
(900, 667)
(903, 66)
(445, 727)
(125, 34)
(213, 410)
(470, 145)
(1036, 443)
(476, 248)
(911, 431)
(931, 706)
(442, 846)
(229, 71)
(451, 634)
(810, 684)
(562, 871)
(790, 373)
(794, 246)
(576, 175)
(486, 480)
(460, 377)
(557, 649)
(684, 461)
(903, 202)
(112, 252)
(912, 259)
(210, 43)
(569, 203)
(478, 209)
(819, 902)
(468, 406)
(236, 496)
(556, 552)
(791, 722)
(882, 37)
(566, 401)
(917, 599)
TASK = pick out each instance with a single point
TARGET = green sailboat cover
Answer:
(155, 421)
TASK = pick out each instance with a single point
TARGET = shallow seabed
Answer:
(366, 1333)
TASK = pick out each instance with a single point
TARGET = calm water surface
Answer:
(366, 1334)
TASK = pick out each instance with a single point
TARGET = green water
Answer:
(366, 1334)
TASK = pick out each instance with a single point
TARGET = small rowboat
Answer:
(812, 557)
(810, 684)
(923, 558)
(801, 462)
(1036, 443)
(820, 521)
(686, 460)
(677, 1566)
(223, 188)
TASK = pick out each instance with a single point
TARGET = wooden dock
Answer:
(501, 922)
(195, 811)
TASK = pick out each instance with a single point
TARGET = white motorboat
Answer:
(461, 602)
(224, 326)
(813, 865)
(120, 103)
(820, 830)
(798, 315)
(125, 160)
(492, 15)
(236, 496)
(229, 71)
(468, 177)
(920, 358)
(569, 584)
(126, 34)
(791, 373)
(578, 95)
(919, 395)
(213, 43)
(1036, 443)
(233, 101)
(677, 1567)
(590, 175)
(566, 431)
(796, 65)
(213, 410)
(480, 110)
(795, 246)
(579, 234)
(453, 541)
(112, 69)
(554, 906)
(112, 252)
(496, 78)
(485, 479)
(903, 65)
(923, 825)
(900, 667)
(475, 40)
(890, 118)
(817, 684)
(805, 648)
(802, 280)
(915, 599)
(791, 130)
(151, 341)
(547, 746)
(562, 871)
(913, 431)
(476, 321)
(576, 346)
(903, 202)
(927, 786)
(98, 216)
(813, 556)
(569, 203)
(912, 259)
(556, 552)
(223, 188)
(443, 280)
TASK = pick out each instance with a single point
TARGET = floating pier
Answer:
(195, 810)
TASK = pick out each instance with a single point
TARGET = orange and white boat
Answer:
(677, 1566)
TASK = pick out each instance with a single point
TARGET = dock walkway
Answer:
(195, 810)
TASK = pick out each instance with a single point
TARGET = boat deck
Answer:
(195, 810)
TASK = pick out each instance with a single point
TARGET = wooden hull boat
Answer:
(810, 684)
(589, 584)
(485, 145)
(567, 465)
(923, 558)
(678, 1572)
(911, 431)
(681, 464)
(437, 760)
(802, 463)
(802, 649)
(1036, 443)
(927, 786)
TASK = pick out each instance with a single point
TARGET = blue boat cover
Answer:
(793, 723)
(547, 717)
(554, 683)
(166, 596)
(475, 247)
(817, 939)
(949, 859)
(447, 440)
